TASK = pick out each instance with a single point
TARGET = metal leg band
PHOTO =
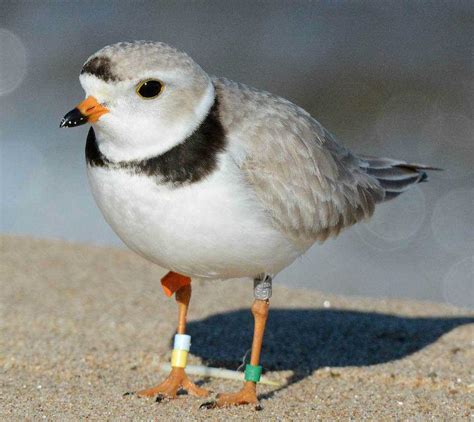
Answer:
(262, 287)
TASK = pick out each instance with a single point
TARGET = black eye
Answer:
(150, 88)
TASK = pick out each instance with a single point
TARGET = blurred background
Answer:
(388, 78)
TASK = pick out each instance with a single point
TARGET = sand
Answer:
(81, 325)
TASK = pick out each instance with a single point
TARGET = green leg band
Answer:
(253, 372)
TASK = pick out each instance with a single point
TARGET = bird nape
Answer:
(213, 179)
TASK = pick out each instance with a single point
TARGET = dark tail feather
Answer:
(395, 176)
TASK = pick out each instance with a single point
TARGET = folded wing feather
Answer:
(310, 185)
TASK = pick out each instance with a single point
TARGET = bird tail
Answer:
(394, 176)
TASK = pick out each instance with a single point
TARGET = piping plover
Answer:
(210, 178)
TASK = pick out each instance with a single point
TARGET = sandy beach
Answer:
(81, 325)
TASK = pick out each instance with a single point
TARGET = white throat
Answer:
(122, 143)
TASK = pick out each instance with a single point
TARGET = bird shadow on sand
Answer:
(303, 340)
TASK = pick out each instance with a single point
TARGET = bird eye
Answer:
(149, 89)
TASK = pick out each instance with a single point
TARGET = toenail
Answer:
(159, 398)
(208, 405)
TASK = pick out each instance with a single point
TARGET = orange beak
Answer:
(88, 111)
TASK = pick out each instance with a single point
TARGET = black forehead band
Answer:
(101, 67)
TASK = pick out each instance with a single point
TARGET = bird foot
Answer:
(176, 380)
(247, 395)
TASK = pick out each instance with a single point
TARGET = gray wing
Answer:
(311, 186)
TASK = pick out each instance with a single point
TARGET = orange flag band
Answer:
(173, 281)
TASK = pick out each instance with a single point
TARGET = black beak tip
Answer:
(73, 118)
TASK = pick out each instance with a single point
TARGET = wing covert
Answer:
(311, 186)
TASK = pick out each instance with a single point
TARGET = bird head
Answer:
(143, 98)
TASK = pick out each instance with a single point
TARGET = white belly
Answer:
(215, 228)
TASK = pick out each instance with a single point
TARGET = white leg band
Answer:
(182, 342)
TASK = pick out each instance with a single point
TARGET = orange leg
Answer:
(177, 379)
(248, 393)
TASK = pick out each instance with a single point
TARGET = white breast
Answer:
(215, 228)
